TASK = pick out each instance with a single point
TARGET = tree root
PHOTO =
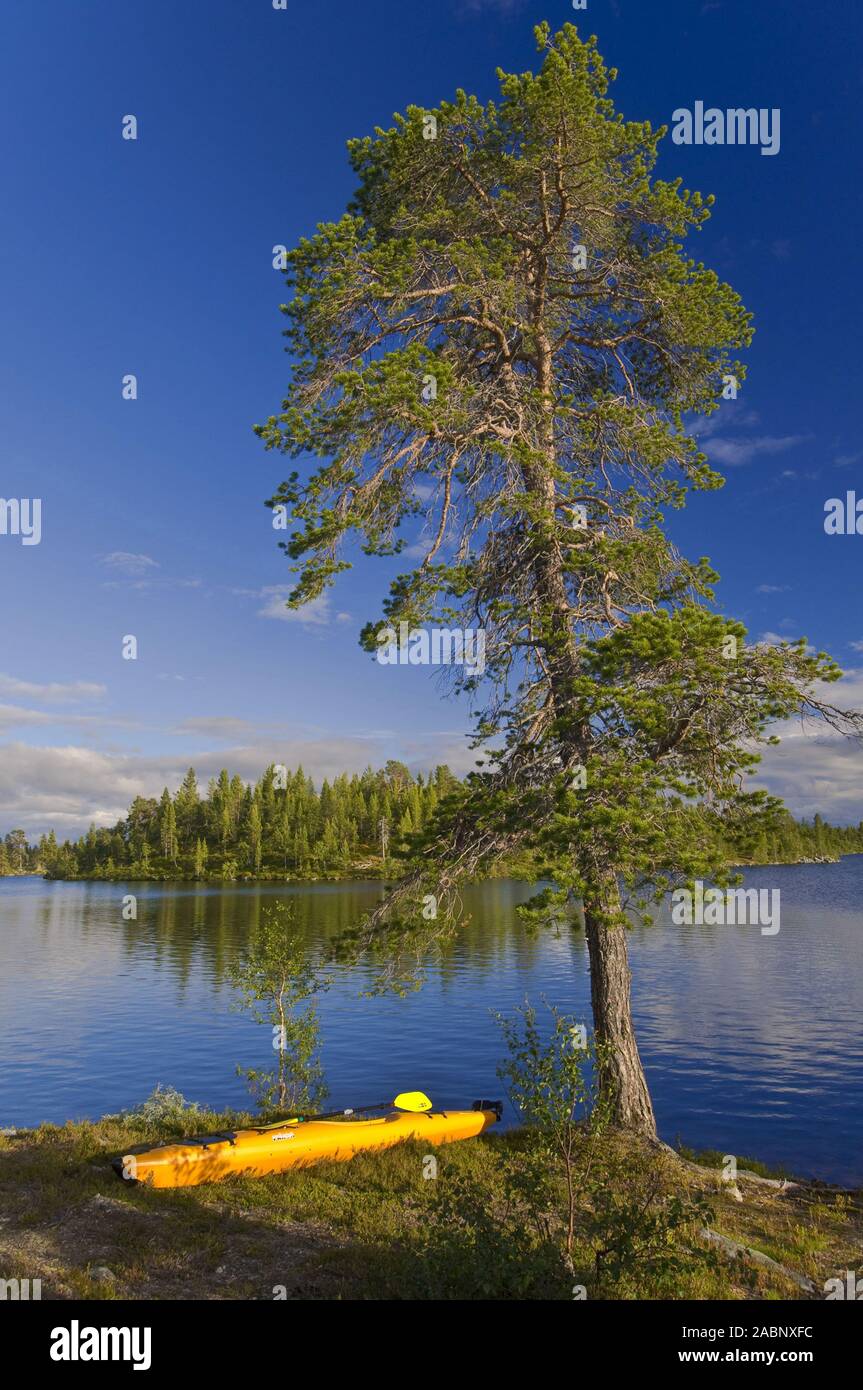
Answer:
(779, 1184)
(734, 1251)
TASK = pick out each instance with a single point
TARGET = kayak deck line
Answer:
(287, 1144)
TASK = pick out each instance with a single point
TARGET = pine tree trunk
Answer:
(622, 1077)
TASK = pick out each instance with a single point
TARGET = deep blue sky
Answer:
(154, 257)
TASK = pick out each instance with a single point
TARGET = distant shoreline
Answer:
(353, 874)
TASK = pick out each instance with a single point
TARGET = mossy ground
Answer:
(344, 1231)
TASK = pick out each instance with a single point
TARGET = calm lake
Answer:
(752, 1044)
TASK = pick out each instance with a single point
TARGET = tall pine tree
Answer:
(505, 323)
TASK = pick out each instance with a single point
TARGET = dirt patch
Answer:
(106, 1248)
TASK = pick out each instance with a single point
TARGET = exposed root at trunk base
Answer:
(778, 1184)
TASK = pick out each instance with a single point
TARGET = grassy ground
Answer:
(369, 1229)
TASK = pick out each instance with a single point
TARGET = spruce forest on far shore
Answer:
(284, 827)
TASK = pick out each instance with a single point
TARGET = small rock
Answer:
(8, 1131)
(107, 1203)
(103, 1275)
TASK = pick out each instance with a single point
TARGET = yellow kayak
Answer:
(253, 1153)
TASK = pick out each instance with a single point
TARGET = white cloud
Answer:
(774, 639)
(66, 788)
(816, 773)
(54, 693)
(14, 716)
(159, 582)
(815, 769)
(72, 787)
(123, 562)
(18, 716)
(226, 727)
(479, 6)
(735, 452)
(137, 572)
(732, 413)
(316, 613)
(722, 439)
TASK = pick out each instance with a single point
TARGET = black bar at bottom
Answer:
(232, 1336)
